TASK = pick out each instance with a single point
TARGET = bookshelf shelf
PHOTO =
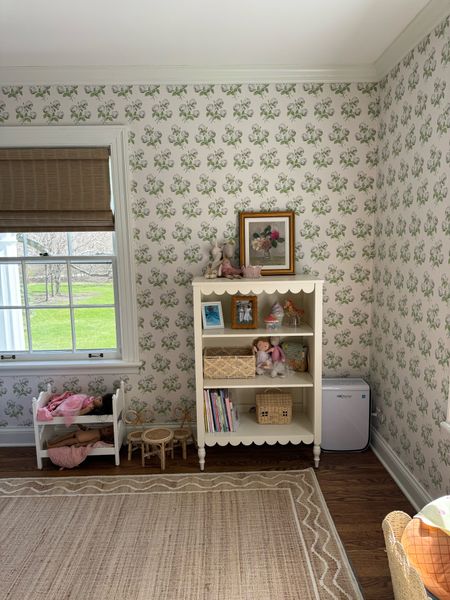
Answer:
(306, 388)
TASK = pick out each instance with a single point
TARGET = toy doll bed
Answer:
(44, 430)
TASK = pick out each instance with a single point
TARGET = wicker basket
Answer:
(405, 579)
(274, 408)
(229, 363)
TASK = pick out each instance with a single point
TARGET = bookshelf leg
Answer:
(201, 457)
(316, 453)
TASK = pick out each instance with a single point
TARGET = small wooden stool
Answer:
(180, 437)
(134, 440)
(160, 441)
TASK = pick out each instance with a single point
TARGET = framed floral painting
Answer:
(267, 239)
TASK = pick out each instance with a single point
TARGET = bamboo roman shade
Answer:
(55, 189)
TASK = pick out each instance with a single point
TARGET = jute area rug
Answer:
(234, 536)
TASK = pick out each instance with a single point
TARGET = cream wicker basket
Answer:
(405, 579)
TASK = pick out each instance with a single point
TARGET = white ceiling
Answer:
(289, 35)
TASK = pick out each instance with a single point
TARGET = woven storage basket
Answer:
(405, 578)
(229, 363)
(273, 408)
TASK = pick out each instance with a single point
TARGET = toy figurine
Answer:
(262, 349)
(293, 313)
(278, 358)
(226, 268)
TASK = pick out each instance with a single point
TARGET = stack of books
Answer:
(221, 416)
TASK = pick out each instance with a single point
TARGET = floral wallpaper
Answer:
(200, 154)
(410, 359)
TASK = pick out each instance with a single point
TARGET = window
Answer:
(67, 298)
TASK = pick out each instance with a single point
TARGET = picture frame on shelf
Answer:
(244, 312)
(268, 239)
(212, 315)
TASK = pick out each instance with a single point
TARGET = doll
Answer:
(278, 358)
(70, 405)
(82, 437)
(262, 350)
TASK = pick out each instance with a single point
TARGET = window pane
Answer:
(47, 284)
(50, 329)
(95, 328)
(11, 285)
(91, 243)
(92, 283)
(13, 330)
(53, 243)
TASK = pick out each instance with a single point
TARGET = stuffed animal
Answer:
(278, 358)
(226, 268)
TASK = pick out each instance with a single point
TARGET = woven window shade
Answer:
(55, 189)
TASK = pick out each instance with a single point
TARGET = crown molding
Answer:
(182, 74)
(430, 16)
(426, 20)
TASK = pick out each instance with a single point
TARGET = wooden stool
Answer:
(181, 436)
(160, 440)
(134, 440)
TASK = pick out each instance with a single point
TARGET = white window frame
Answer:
(445, 425)
(116, 138)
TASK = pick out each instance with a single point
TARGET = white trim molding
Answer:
(134, 75)
(430, 16)
(423, 23)
(412, 489)
(16, 436)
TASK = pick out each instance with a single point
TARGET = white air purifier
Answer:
(345, 414)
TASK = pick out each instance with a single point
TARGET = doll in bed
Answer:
(83, 437)
(70, 405)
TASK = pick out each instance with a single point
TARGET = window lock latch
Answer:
(95, 354)
(7, 356)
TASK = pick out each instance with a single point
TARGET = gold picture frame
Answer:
(267, 239)
(244, 312)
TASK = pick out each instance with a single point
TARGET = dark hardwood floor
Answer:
(357, 489)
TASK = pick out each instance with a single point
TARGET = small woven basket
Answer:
(274, 408)
(228, 363)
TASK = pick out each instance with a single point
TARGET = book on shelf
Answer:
(220, 415)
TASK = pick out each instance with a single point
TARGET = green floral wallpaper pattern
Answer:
(364, 169)
(200, 154)
(410, 359)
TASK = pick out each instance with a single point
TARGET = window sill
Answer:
(81, 367)
(445, 426)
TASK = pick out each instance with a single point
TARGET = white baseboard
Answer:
(413, 489)
(16, 436)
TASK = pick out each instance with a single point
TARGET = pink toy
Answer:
(226, 269)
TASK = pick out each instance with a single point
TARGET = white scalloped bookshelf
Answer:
(306, 388)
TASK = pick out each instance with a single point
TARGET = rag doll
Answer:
(262, 349)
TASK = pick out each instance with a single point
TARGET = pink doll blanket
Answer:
(67, 405)
(68, 457)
